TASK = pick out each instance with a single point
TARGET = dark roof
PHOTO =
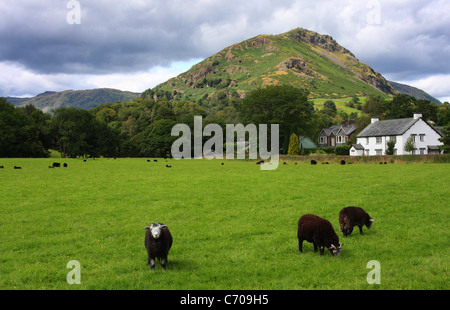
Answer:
(358, 147)
(392, 127)
(348, 129)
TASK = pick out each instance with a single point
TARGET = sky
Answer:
(56, 45)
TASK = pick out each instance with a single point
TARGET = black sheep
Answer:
(342, 162)
(320, 232)
(313, 162)
(353, 216)
(56, 165)
(158, 241)
(15, 167)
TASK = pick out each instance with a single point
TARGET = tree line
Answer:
(142, 127)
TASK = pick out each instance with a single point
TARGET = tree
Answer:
(374, 105)
(294, 145)
(445, 139)
(157, 139)
(410, 145)
(401, 106)
(23, 131)
(280, 104)
(390, 147)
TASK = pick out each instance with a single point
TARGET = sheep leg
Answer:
(315, 247)
(321, 250)
(360, 229)
(163, 262)
(151, 262)
(300, 245)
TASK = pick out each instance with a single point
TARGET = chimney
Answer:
(374, 120)
(417, 115)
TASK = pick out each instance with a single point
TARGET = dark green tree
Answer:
(284, 105)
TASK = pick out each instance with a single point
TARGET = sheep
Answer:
(342, 162)
(65, 165)
(260, 162)
(168, 166)
(158, 241)
(2, 167)
(15, 167)
(56, 165)
(320, 232)
(313, 162)
(353, 216)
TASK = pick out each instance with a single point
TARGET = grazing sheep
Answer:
(260, 162)
(2, 167)
(353, 216)
(342, 162)
(168, 166)
(15, 167)
(65, 165)
(158, 241)
(320, 232)
(313, 162)
(56, 165)
(155, 160)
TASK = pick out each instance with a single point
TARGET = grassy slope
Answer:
(234, 226)
(255, 66)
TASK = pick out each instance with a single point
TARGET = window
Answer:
(393, 138)
(422, 151)
(414, 137)
(421, 138)
(367, 152)
(367, 140)
(378, 152)
(379, 140)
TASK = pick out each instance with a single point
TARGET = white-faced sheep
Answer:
(353, 216)
(319, 232)
(158, 241)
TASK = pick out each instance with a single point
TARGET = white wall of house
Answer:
(423, 135)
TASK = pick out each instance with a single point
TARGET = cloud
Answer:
(132, 40)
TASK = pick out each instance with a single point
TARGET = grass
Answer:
(234, 226)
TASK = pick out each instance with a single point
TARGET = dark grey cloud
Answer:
(403, 39)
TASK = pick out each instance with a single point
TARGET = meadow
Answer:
(234, 226)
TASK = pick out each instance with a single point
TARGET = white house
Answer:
(373, 139)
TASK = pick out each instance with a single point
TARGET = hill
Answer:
(84, 99)
(300, 57)
(413, 91)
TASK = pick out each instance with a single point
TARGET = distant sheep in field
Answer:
(320, 232)
(342, 162)
(65, 165)
(15, 167)
(353, 216)
(158, 241)
(168, 166)
(260, 162)
(2, 167)
(56, 165)
(313, 162)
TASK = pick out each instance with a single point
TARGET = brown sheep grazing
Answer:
(158, 241)
(353, 216)
(320, 232)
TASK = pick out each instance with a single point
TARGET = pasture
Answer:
(234, 226)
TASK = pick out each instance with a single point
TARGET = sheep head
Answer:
(335, 251)
(156, 229)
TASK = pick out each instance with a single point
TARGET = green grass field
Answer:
(234, 226)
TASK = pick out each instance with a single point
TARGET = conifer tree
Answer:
(294, 145)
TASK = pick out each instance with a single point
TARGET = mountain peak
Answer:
(299, 57)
